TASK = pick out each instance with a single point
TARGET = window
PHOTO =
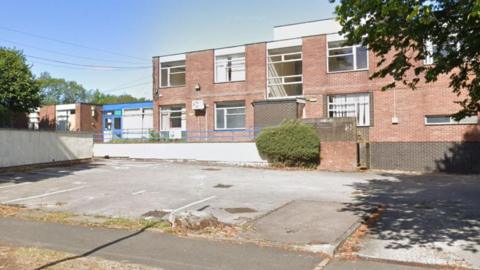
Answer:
(351, 105)
(108, 124)
(172, 117)
(346, 58)
(172, 74)
(434, 51)
(229, 68)
(285, 72)
(230, 115)
(448, 120)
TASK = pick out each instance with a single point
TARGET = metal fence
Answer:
(158, 136)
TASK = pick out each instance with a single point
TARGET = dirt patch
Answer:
(34, 258)
(240, 210)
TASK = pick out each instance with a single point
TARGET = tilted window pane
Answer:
(220, 115)
(177, 79)
(164, 76)
(333, 52)
(340, 63)
(362, 55)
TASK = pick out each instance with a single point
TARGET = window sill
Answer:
(286, 97)
(169, 87)
(346, 71)
(229, 129)
(230, 82)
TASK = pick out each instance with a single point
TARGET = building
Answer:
(127, 121)
(306, 73)
(75, 117)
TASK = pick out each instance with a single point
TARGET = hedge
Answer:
(290, 144)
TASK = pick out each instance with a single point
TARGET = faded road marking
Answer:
(138, 192)
(43, 195)
(191, 204)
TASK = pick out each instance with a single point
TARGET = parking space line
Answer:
(138, 192)
(14, 185)
(194, 203)
(42, 195)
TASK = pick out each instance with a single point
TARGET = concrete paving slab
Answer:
(306, 223)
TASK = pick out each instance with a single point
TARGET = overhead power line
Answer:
(69, 43)
(87, 65)
(128, 87)
(69, 55)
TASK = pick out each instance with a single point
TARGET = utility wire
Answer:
(123, 88)
(87, 65)
(66, 54)
(143, 78)
(69, 43)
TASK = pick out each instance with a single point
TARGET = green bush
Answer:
(290, 144)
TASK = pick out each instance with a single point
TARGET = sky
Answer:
(108, 44)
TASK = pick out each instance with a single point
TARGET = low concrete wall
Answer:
(24, 147)
(234, 153)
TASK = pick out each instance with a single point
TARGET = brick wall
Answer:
(85, 122)
(338, 156)
(200, 69)
(47, 117)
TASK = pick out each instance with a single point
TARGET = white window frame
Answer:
(281, 80)
(228, 61)
(469, 120)
(167, 110)
(169, 73)
(355, 105)
(225, 115)
(354, 54)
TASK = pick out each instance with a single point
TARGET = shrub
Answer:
(290, 144)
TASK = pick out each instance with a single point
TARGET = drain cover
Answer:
(211, 169)
(222, 186)
(155, 214)
(239, 210)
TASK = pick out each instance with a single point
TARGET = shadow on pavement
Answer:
(423, 209)
(90, 252)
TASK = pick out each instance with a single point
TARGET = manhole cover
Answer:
(239, 210)
(211, 169)
(222, 186)
(155, 214)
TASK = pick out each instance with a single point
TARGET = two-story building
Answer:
(306, 72)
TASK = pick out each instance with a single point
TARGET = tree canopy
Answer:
(400, 27)
(19, 92)
(61, 91)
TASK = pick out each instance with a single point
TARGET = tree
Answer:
(404, 28)
(60, 91)
(100, 98)
(18, 90)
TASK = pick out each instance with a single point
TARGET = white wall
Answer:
(328, 26)
(24, 147)
(234, 153)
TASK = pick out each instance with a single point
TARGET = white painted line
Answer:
(43, 195)
(15, 185)
(194, 203)
(138, 192)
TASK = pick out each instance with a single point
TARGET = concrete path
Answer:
(149, 248)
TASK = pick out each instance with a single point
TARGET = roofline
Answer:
(251, 43)
(290, 24)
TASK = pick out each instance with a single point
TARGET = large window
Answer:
(346, 58)
(172, 117)
(351, 105)
(172, 74)
(448, 120)
(229, 68)
(230, 115)
(285, 72)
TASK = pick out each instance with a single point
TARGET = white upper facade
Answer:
(321, 27)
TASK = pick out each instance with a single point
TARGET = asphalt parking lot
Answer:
(132, 188)
(429, 219)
